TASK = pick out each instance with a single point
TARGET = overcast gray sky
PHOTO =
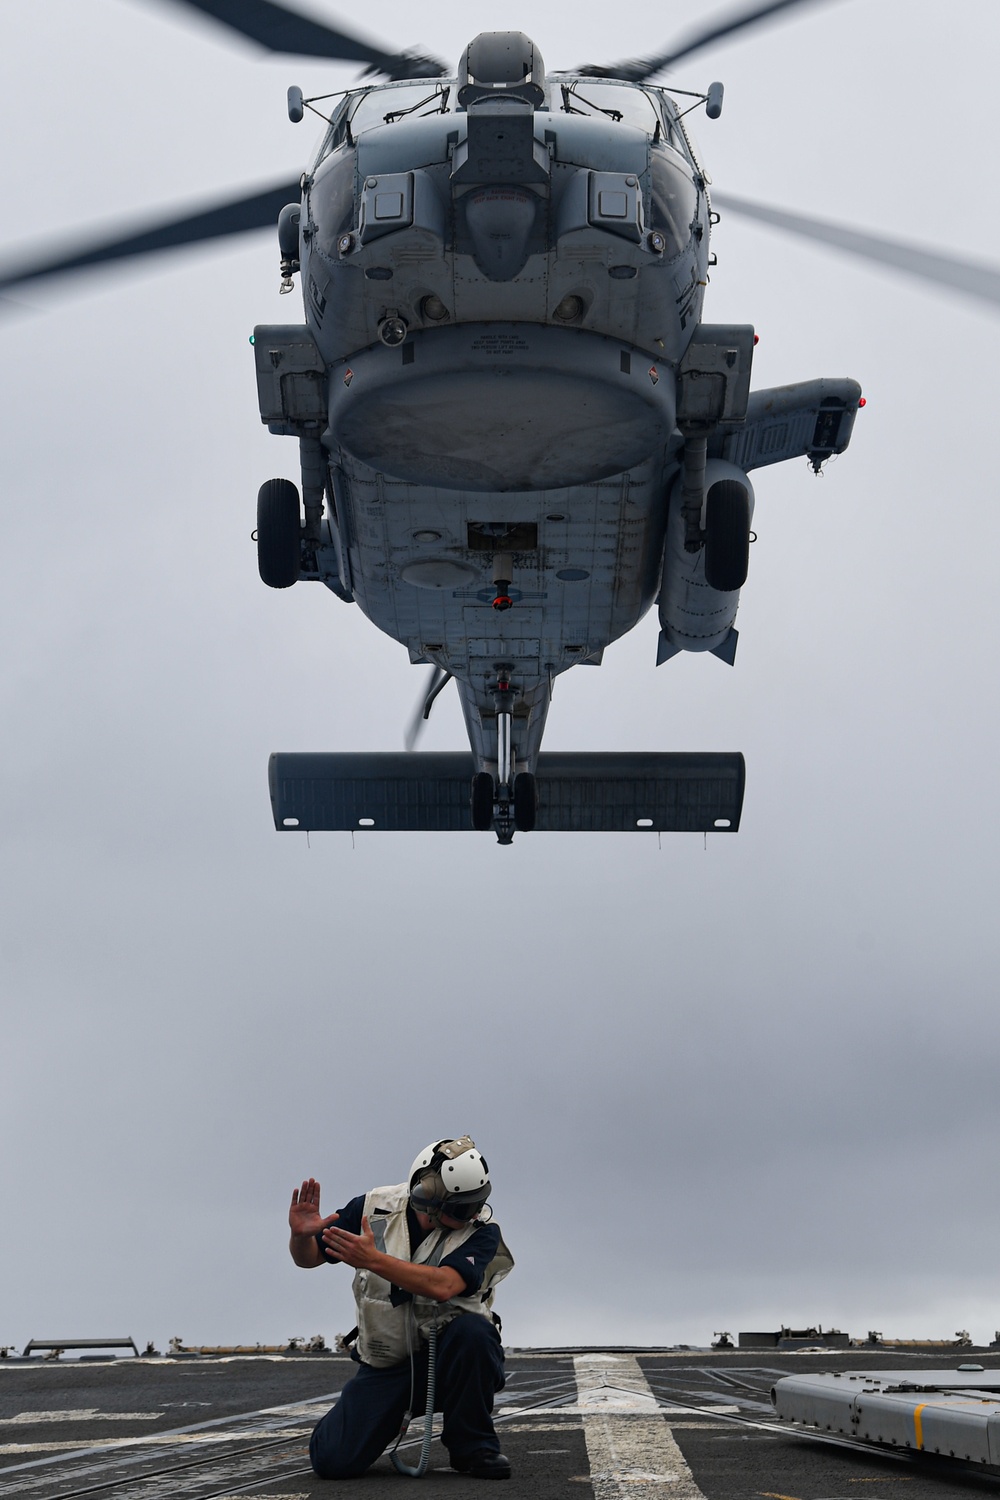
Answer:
(718, 1088)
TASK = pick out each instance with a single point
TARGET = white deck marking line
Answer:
(172, 1440)
(622, 1401)
(79, 1414)
(150, 1441)
(129, 1361)
(562, 1427)
(629, 1445)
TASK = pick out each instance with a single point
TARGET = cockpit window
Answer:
(614, 101)
(366, 108)
(386, 106)
(673, 134)
(336, 133)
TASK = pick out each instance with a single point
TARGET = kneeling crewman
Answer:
(426, 1262)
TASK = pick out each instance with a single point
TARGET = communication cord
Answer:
(418, 1470)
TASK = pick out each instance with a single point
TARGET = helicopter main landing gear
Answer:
(727, 536)
(279, 534)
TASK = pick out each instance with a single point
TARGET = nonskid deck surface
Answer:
(614, 1424)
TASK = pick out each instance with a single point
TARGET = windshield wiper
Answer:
(567, 91)
(442, 109)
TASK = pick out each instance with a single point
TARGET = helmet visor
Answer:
(429, 1196)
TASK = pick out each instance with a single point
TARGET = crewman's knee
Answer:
(327, 1465)
(322, 1472)
(328, 1459)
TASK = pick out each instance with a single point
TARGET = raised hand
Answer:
(357, 1250)
(304, 1217)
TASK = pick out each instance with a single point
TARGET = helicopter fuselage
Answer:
(511, 417)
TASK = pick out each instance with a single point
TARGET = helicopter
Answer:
(515, 432)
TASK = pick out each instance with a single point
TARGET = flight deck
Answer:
(614, 1424)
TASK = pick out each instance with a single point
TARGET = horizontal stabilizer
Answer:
(577, 793)
(813, 419)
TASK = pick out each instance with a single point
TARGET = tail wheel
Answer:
(525, 802)
(279, 534)
(482, 802)
(727, 536)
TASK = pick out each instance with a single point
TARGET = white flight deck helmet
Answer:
(450, 1177)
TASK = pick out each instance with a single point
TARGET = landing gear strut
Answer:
(510, 802)
(504, 700)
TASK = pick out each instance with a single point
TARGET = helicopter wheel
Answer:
(482, 802)
(525, 802)
(727, 536)
(279, 534)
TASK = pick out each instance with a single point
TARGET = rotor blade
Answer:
(259, 211)
(639, 69)
(970, 277)
(438, 679)
(281, 30)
